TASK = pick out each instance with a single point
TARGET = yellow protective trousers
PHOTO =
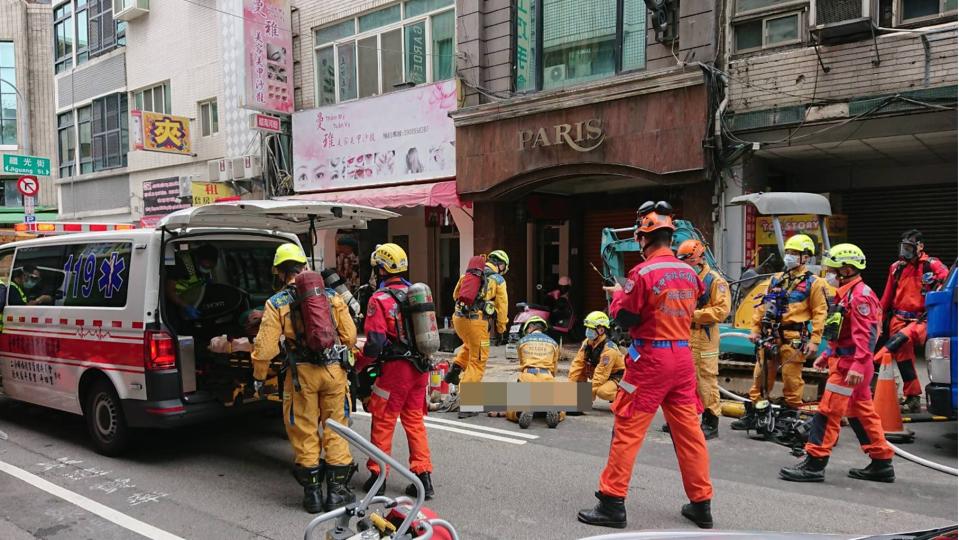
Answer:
(513, 416)
(792, 364)
(474, 353)
(704, 343)
(322, 395)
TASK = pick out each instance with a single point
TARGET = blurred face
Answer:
(32, 279)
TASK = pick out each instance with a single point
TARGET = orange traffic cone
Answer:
(886, 400)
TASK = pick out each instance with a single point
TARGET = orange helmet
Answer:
(691, 251)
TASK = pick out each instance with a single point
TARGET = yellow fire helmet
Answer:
(596, 319)
(801, 243)
(535, 320)
(390, 257)
(289, 252)
(499, 257)
(841, 254)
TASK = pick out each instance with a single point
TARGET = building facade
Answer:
(155, 119)
(857, 103)
(26, 105)
(575, 113)
(374, 85)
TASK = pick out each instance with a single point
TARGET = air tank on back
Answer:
(422, 311)
(335, 282)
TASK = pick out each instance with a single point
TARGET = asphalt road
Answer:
(229, 480)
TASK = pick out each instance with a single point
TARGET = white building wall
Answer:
(191, 62)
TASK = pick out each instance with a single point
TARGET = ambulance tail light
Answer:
(160, 351)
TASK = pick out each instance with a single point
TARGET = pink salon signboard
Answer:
(403, 136)
(268, 56)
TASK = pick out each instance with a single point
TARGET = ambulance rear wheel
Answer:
(105, 421)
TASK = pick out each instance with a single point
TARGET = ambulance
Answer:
(115, 323)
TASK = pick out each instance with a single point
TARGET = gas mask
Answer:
(791, 261)
(907, 252)
(592, 334)
(832, 278)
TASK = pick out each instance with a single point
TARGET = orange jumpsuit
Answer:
(906, 302)
(600, 364)
(400, 390)
(807, 308)
(852, 350)
(473, 326)
(656, 305)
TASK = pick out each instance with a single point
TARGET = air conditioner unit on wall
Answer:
(246, 167)
(126, 10)
(220, 170)
(836, 21)
(555, 74)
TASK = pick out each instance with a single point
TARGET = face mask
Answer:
(31, 283)
(792, 261)
(906, 252)
(832, 279)
(591, 334)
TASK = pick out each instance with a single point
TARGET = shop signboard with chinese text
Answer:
(268, 56)
(525, 39)
(158, 132)
(161, 197)
(400, 137)
(211, 192)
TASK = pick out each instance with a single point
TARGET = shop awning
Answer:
(432, 194)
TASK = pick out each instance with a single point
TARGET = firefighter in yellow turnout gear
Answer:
(791, 318)
(712, 308)
(322, 393)
(599, 361)
(538, 360)
(473, 325)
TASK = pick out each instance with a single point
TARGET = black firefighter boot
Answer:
(710, 425)
(309, 478)
(453, 375)
(427, 485)
(608, 512)
(699, 513)
(879, 470)
(368, 485)
(337, 489)
(811, 469)
(747, 421)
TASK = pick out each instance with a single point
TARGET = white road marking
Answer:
(479, 434)
(107, 513)
(481, 428)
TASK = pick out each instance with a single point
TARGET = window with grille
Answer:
(565, 42)
(378, 52)
(109, 132)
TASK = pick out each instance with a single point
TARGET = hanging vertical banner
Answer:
(268, 55)
(525, 43)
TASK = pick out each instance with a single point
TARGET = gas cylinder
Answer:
(398, 513)
(437, 384)
(335, 282)
(422, 312)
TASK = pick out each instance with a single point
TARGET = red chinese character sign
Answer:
(399, 137)
(268, 55)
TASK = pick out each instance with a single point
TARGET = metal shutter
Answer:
(878, 217)
(593, 224)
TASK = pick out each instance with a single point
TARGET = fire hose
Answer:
(899, 451)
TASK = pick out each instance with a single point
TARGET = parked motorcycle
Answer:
(556, 309)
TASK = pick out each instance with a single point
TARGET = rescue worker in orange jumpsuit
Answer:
(321, 395)
(400, 389)
(472, 323)
(712, 308)
(538, 359)
(852, 329)
(790, 319)
(599, 361)
(904, 302)
(656, 305)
